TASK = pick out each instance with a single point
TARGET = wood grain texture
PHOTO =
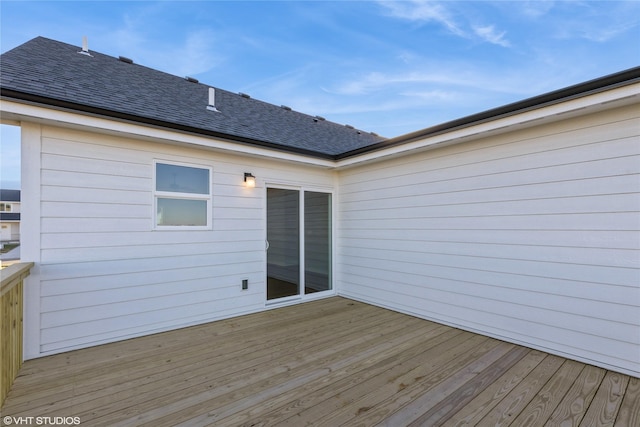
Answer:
(542, 406)
(329, 362)
(11, 327)
(576, 401)
(629, 414)
(606, 403)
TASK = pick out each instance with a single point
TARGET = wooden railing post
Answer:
(11, 309)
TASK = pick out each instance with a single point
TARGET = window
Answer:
(5, 207)
(182, 196)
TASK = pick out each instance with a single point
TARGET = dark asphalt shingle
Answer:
(9, 216)
(9, 195)
(51, 69)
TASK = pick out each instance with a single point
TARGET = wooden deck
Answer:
(330, 362)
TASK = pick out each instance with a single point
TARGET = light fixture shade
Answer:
(249, 180)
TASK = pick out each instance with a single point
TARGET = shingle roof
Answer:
(55, 73)
(9, 195)
(9, 216)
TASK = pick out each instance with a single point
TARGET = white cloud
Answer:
(192, 54)
(187, 51)
(369, 82)
(423, 11)
(598, 22)
(428, 11)
(536, 8)
(445, 75)
(196, 54)
(433, 95)
(489, 34)
(603, 33)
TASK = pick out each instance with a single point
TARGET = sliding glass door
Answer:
(317, 242)
(283, 243)
(298, 242)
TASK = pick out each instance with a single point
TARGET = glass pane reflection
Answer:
(317, 241)
(182, 179)
(181, 212)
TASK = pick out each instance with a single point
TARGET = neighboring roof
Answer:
(9, 195)
(9, 216)
(53, 73)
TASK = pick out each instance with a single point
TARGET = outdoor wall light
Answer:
(249, 180)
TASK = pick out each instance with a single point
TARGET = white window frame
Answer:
(184, 196)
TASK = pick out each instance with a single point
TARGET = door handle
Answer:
(266, 245)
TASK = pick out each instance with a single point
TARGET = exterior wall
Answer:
(531, 236)
(9, 231)
(103, 273)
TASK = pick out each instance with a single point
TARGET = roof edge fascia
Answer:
(15, 110)
(499, 120)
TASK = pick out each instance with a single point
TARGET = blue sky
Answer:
(389, 67)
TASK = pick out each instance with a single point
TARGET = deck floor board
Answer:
(329, 362)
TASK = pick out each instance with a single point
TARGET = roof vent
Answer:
(85, 47)
(125, 59)
(349, 127)
(212, 100)
(284, 107)
(244, 95)
(320, 118)
(191, 79)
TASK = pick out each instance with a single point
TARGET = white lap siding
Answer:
(105, 274)
(531, 236)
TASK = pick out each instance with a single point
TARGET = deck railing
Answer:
(11, 294)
